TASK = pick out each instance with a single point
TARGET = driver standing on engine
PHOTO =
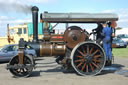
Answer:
(98, 31)
(107, 32)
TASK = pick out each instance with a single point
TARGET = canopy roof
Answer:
(78, 17)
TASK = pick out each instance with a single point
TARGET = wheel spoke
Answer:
(91, 51)
(23, 70)
(98, 61)
(95, 65)
(79, 65)
(87, 68)
(79, 56)
(80, 52)
(95, 52)
(79, 60)
(97, 56)
(83, 67)
(83, 50)
(87, 49)
(91, 67)
(17, 70)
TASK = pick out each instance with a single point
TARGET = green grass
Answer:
(120, 52)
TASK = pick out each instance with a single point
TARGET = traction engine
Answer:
(73, 49)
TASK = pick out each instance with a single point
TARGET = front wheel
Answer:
(21, 70)
(88, 58)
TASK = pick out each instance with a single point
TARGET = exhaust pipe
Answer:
(35, 23)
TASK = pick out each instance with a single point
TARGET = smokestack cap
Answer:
(35, 8)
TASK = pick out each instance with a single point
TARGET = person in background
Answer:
(113, 25)
(107, 32)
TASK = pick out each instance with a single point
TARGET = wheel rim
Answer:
(88, 58)
(23, 72)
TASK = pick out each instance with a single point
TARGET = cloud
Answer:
(3, 18)
(38, 1)
(29, 1)
(123, 16)
(12, 21)
(11, 6)
(21, 6)
(19, 21)
(14, 10)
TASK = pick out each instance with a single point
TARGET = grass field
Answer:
(120, 52)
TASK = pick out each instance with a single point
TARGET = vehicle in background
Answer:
(118, 43)
(8, 51)
(124, 37)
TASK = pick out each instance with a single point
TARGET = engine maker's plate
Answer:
(73, 35)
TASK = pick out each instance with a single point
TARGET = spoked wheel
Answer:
(88, 58)
(19, 70)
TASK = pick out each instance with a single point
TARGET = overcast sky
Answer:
(17, 12)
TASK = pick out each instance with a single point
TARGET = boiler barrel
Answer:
(48, 49)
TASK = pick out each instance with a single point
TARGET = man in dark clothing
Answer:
(98, 31)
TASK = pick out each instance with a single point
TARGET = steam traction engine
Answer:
(73, 48)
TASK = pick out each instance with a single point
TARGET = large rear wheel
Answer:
(88, 58)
